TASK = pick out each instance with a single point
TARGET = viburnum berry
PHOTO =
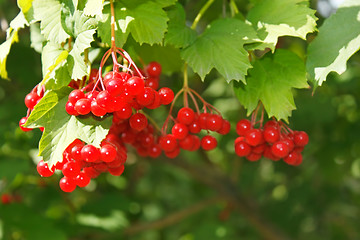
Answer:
(254, 137)
(43, 169)
(194, 127)
(154, 151)
(152, 83)
(124, 112)
(96, 109)
(82, 180)
(242, 127)
(138, 121)
(214, 122)
(156, 103)
(117, 171)
(146, 96)
(187, 142)
(168, 143)
(301, 138)
(179, 131)
(153, 69)
(67, 184)
(186, 115)
(31, 100)
(134, 85)
(75, 95)
(292, 158)
(166, 95)
(70, 109)
(203, 120)
(173, 154)
(71, 169)
(83, 106)
(271, 134)
(280, 149)
(107, 153)
(208, 142)
(115, 87)
(104, 99)
(90, 153)
(22, 122)
(253, 157)
(242, 149)
(225, 128)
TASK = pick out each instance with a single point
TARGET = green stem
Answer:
(201, 13)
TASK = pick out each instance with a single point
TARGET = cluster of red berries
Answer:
(274, 141)
(83, 162)
(187, 125)
(152, 71)
(122, 93)
(31, 100)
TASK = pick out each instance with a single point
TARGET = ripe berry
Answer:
(82, 180)
(292, 158)
(242, 127)
(194, 127)
(179, 131)
(208, 142)
(117, 171)
(92, 95)
(271, 134)
(90, 153)
(107, 153)
(83, 106)
(152, 83)
(168, 143)
(43, 169)
(254, 137)
(124, 112)
(96, 109)
(225, 128)
(134, 85)
(173, 154)
(187, 143)
(71, 169)
(31, 100)
(22, 122)
(146, 97)
(138, 121)
(214, 122)
(203, 120)
(104, 99)
(301, 138)
(253, 157)
(70, 109)
(242, 149)
(280, 149)
(75, 95)
(154, 151)
(67, 184)
(153, 69)
(166, 95)
(91, 172)
(186, 115)
(197, 143)
(156, 103)
(115, 87)
(6, 198)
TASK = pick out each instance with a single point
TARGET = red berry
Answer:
(186, 115)
(194, 127)
(187, 143)
(253, 157)
(259, 149)
(254, 137)
(91, 172)
(90, 153)
(152, 83)
(242, 149)
(92, 95)
(115, 87)
(242, 127)
(75, 95)
(107, 153)
(290, 143)
(156, 102)
(301, 139)
(96, 109)
(179, 131)
(105, 100)
(214, 122)
(22, 122)
(225, 128)
(166, 95)
(280, 149)
(134, 85)
(203, 120)
(70, 109)
(138, 121)
(153, 69)
(146, 97)
(173, 154)
(168, 143)
(154, 151)
(124, 112)
(292, 158)
(43, 169)
(271, 134)
(268, 154)
(208, 142)
(67, 184)
(31, 100)
(82, 180)
(83, 106)
(71, 169)
(6, 198)
(271, 123)
(117, 171)
(197, 143)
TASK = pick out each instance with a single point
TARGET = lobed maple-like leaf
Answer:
(271, 81)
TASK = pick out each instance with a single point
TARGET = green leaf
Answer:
(93, 7)
(37, 40)
(338, 40)
(221, 47)
(275, 18)
(165, 3)
(49, 13)
(11, 36)
(27, 9)
(178, 35)
(61, 129)
(145, 20)
(271, 81)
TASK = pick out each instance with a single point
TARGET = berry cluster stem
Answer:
(113, 44)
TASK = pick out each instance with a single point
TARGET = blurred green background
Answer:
(183, 198)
